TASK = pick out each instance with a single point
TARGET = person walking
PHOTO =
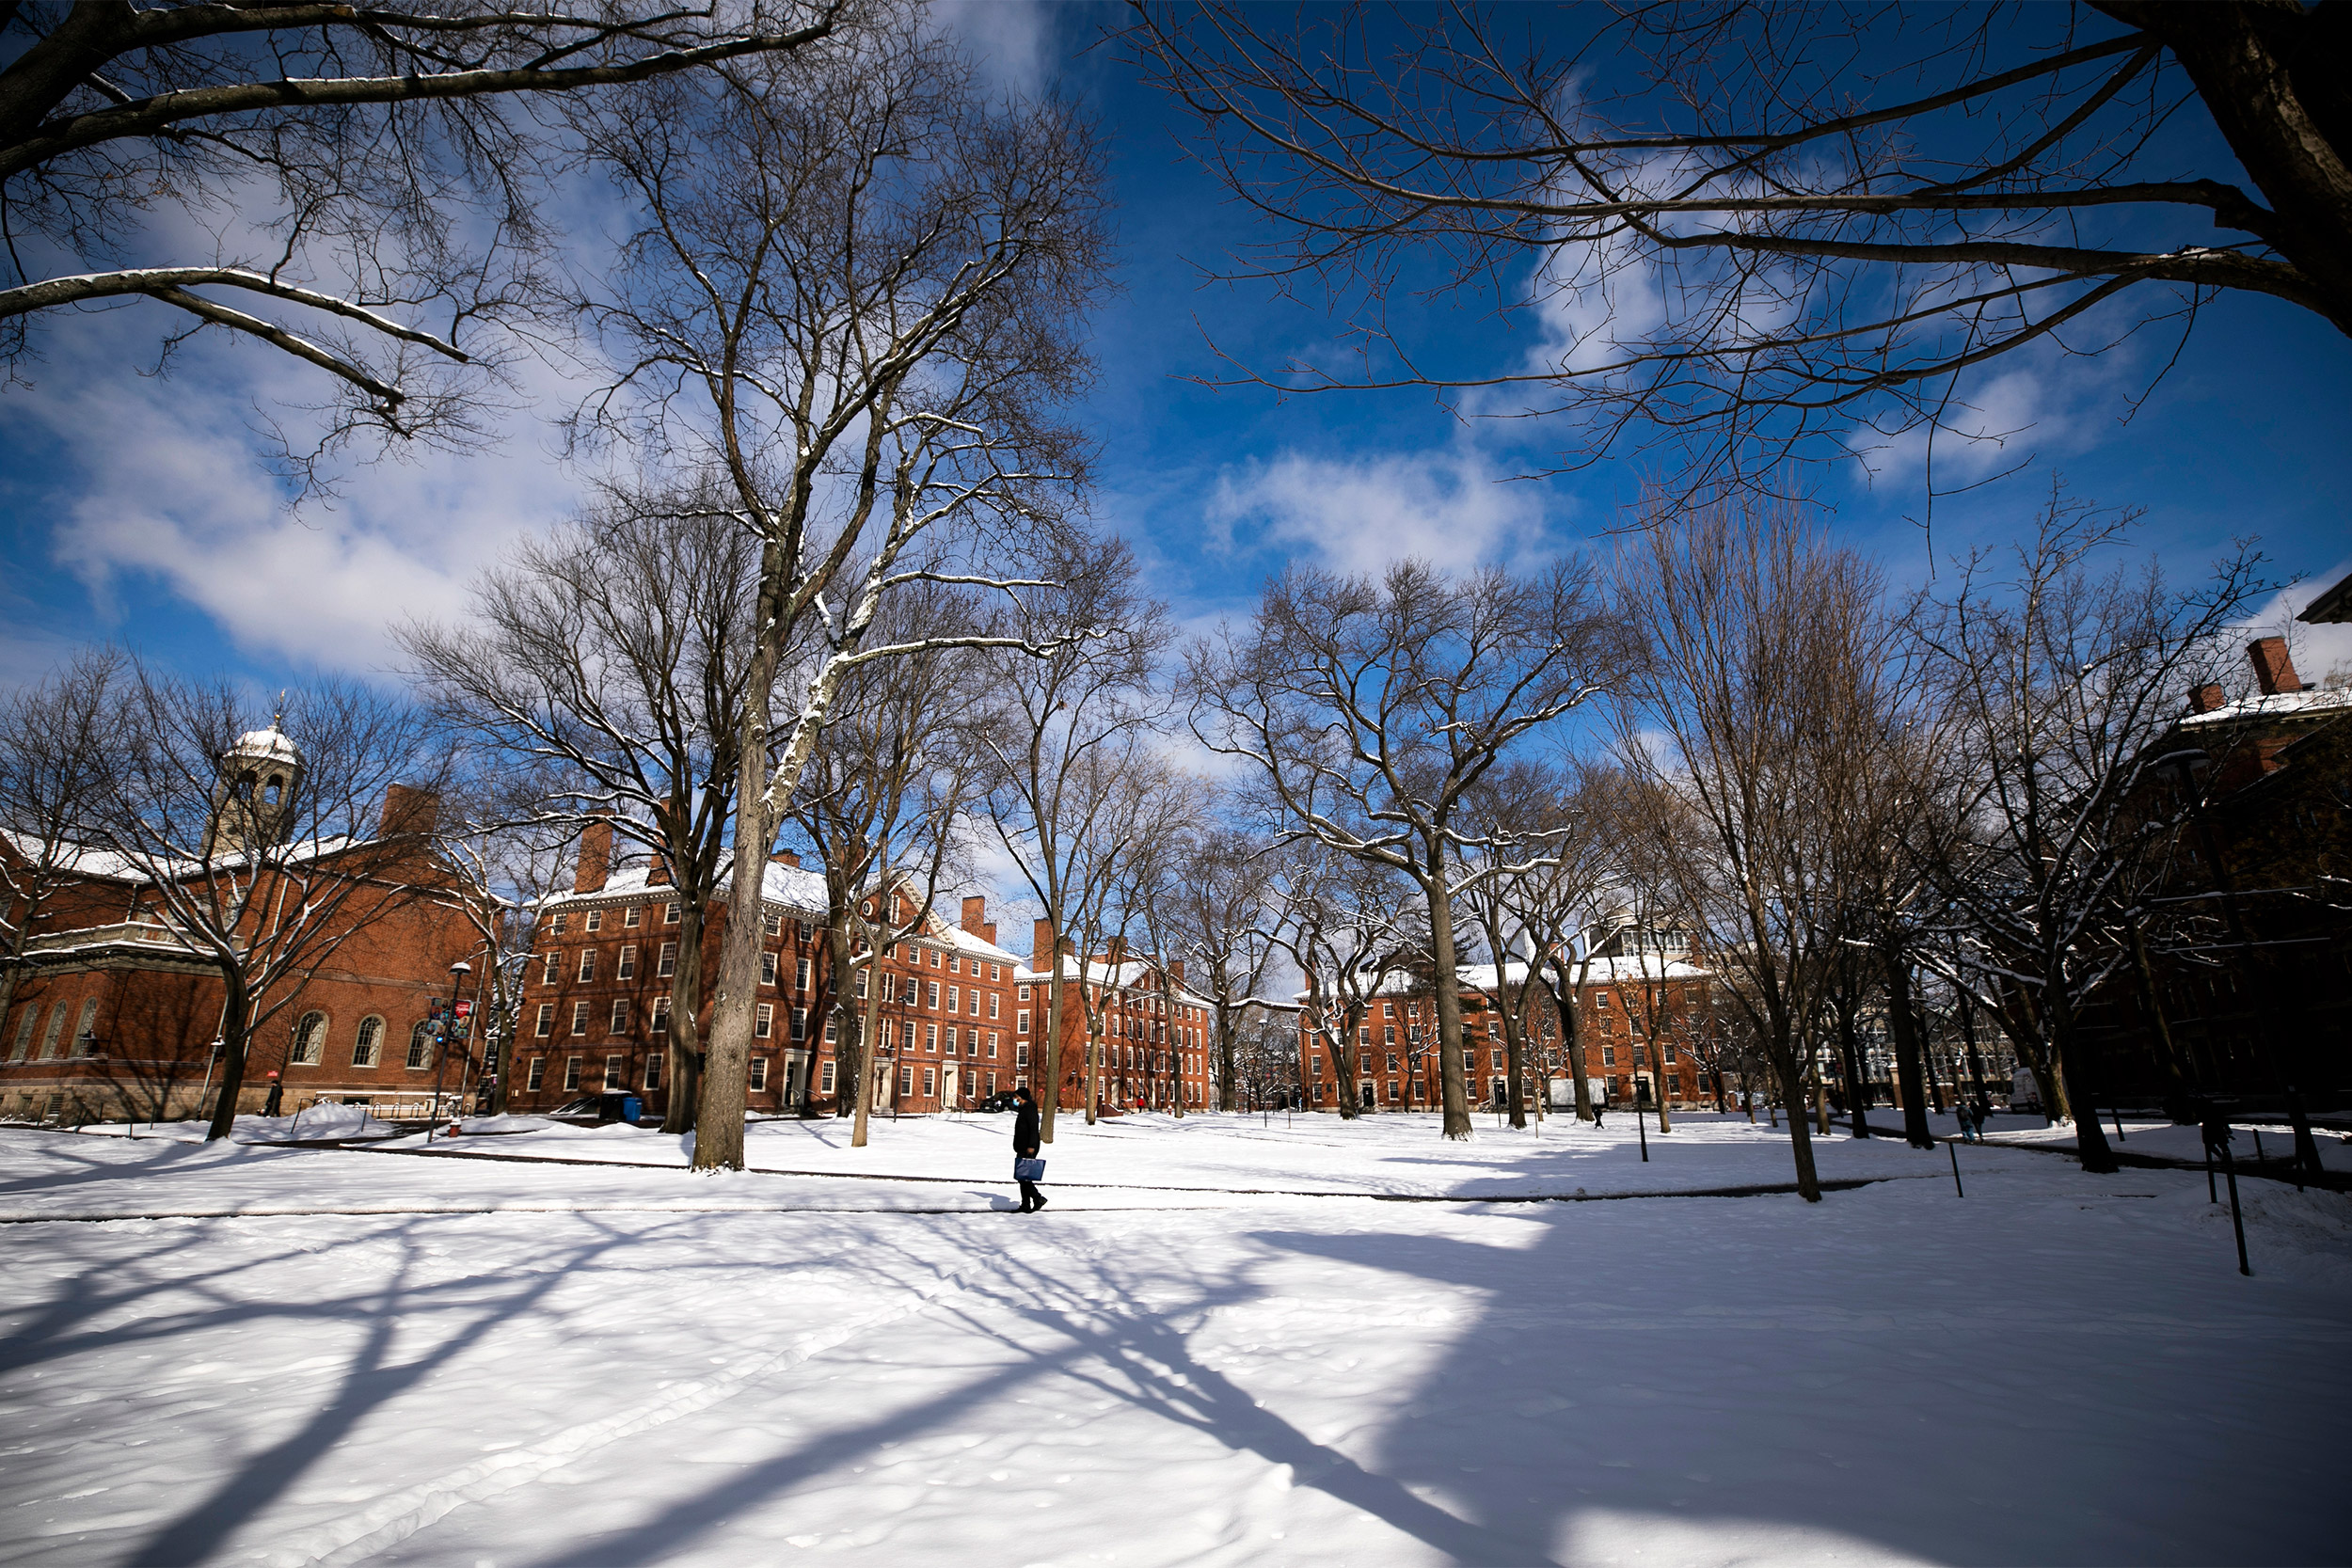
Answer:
(1599, 1106)
(276, 1096)
(1025, 1146)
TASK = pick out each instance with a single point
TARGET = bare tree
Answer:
(262, 849)
(884, 801)
(1770, 232)
(1364, 711)
(374, 178)
(54, 736)
(1222, 902)
(1343, 920)
(854, 294)
(1267, 1058)
(606, 664)
(2059, 686)
(1071, 721)
(514, 858)
(1757, 694)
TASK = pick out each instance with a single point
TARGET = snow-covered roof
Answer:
(90, 859)
(1127, 975)
(786, 886)
(2278, 705)
(271, 742)
(1600, 971)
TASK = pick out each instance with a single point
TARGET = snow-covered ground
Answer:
(349, 1354)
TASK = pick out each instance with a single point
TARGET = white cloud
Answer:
(2318, 651)
(1451, 508)
(162, 480)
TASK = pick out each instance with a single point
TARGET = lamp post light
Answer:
(457, 972)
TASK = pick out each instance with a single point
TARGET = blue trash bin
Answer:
(632, 1108)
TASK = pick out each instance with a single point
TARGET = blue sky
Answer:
(137, 508)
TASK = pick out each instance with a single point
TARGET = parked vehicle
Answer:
(1001, 1101)
(591, 1110)
(2024, 1093)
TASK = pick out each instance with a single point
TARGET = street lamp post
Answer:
(457, 972)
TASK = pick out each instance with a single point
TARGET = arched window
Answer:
(370, 1039)
(310, 1041)
(421, 1046)
(276, 787)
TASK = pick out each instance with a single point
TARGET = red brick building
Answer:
(114, 1014)
(1154, 1032)
(596, 998)
(1636, 1010)
(962, 1018)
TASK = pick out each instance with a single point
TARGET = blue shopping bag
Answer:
(1029, 1170)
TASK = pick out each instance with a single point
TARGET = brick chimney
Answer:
(596, 858)
(2205, 698)
(1176, 969)
(787, 857)
(408, 810)
(1041, 943)
(1117, 952)
(976, 915)
(2273, 671)
(657, 872)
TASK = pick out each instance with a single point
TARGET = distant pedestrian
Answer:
(1965, 1114)
(277, 1097)
(1025, 1147)
(1597, 1109)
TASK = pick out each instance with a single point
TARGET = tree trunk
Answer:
(869, 1055)
(686, 1001)
(1903, 1023)
(1858, 1084)
(1572, 1036)
(235, 1031)
(1049, 1096)
(2073, 1050)
(1513, 1057)
(1449, 990)
(1800, 1137)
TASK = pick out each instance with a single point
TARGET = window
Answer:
(547, 970)
(595, 921)
(955, 999)
(759, 1075)
(861, 985)
(660, 1015)
(669, 914)
(993, 999)
(955, 964)
(1388, 1009)
(935, 993)
(991, 1045)
(538, 1073)
(627, 968)
(310, 1040)
(613, 1068)
(936, 955)
(421, 1046)
(800, 1023)
(1600, 1000)
(631, 919)
(83, 1042)
(26, 1021)
(665, 962)
(1363, 1035)
(1496, 1056)
(996, 972)
(824, 1080)
(1388, 1030)
(931, 1082)
(804, 928)
(1668, 1047)
(619, 1024)
(1674, 1083)
(975, 1000)
(579, 1018)
(1392, 1061)
(365, 1044)
(652, 1070)
(766, 969)
(800, 975)
(931, 1038)
(587, 965)
(1020, 1053)
(1021, 1022)
(832, 1028)
(991, 1083)
(555, 927)
(906, 1080)
(547, 1020)
(764, 1025)
(1024, 993)
(571, 1074)
(770, 923)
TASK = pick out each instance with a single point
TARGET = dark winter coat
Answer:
(1025, 1131)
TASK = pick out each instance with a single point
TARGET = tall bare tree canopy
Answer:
(1750, 226)
(368, 176)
